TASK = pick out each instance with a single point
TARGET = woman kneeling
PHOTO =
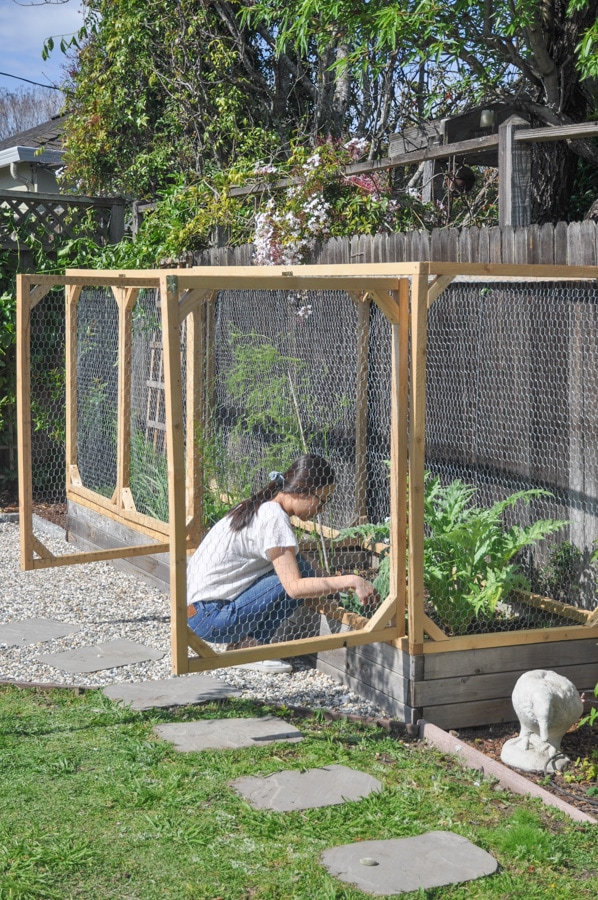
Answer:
(246, 577)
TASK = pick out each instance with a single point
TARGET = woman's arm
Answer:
(287, 569)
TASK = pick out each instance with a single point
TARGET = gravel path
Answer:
(107, 605)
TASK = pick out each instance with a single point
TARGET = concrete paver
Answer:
(286, 791)
(33, 631)
(101, 656)
(401, 865)
(220, 734)
(170, 692)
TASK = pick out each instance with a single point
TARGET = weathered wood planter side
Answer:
(89, 530)
(457, 689)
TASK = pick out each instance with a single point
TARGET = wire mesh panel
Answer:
(511, 454)
(148, 474)
(47, 406)
(97, 389)
(289, 379)
(285, 384)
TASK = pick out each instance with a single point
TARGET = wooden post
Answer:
(417, 461)
(432, 176)
(24, 419)
(116, 228)
(514, 174)
(173, 402)
(398, 455)
(361, 406)
(195, 416)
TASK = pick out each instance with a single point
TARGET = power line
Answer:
(51, 87)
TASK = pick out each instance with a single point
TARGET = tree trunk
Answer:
(552, 175)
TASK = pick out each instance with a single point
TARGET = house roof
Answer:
(30, 155)
(47, 135)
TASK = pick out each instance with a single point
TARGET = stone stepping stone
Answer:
(34, 631)
(101, 656)
(402, 865)
(170, 692)
(287, 791)
(223, 734)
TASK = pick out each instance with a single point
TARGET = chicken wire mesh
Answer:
(510, 409)
(286, 380)
(511, 413)
(98, 369)
(48, 420)
(148, 476)
(97, 390)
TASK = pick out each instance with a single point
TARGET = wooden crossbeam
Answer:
(69, 559)
(433, 631)
(41, 549)
(203, 650)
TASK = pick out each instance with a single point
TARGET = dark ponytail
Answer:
(304, 476)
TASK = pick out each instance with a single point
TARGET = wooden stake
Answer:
(398, 456)
(24, 420)
(417, 457)
(173, 396)
(125, 298)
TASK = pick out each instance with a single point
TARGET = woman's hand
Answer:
(365, 591)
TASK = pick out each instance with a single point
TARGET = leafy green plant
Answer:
(149, 478)
(559, 576)
(220, 474)
(469, 555)
(592, 716)
(470, 560)
(271, 392)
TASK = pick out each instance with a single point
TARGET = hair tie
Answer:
(278, 477)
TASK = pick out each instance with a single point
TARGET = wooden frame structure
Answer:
(403, 292)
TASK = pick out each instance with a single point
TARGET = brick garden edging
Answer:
(506, 777)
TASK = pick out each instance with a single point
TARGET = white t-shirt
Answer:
(227, 562)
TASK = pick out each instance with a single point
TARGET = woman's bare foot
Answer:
(243, 644)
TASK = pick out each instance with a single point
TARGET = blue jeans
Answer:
(257, 612)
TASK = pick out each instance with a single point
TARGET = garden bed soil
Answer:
(52, 512)
(572, 786)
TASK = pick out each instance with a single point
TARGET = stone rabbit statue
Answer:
(547, 705)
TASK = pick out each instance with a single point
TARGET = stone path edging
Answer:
(506, 777)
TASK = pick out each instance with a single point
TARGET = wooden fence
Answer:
(574, 243)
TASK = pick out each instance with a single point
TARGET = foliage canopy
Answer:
(191, 87)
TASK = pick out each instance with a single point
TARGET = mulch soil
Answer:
(573, 785)
(52, 512)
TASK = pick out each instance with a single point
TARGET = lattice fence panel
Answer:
(46, 219)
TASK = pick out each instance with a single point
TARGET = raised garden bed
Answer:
(457, 689)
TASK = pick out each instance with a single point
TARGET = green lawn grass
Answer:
(93, 805)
